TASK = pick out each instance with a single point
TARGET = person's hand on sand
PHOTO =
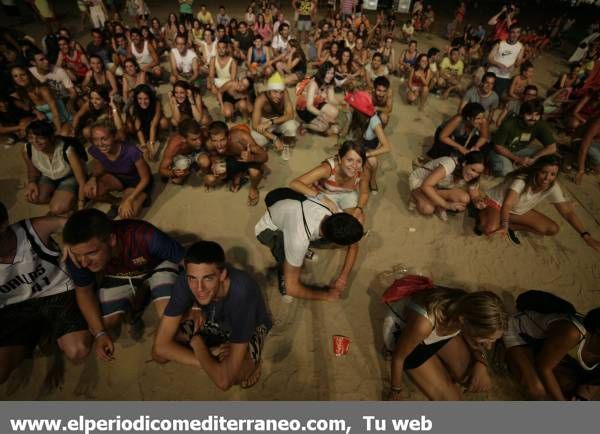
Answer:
(479, 379)
(104, 348)
(395, 395)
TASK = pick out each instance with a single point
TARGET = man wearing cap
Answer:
(235, 151)
(274, 115)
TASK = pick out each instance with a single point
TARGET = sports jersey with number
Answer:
(35, 271)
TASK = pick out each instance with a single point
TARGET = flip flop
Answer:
(251, 379)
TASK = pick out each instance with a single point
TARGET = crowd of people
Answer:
(93, 120)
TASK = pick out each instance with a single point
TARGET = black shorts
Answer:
(23, 324)
(231, 100)
(235, 167)
(423, 353)
(308, 116)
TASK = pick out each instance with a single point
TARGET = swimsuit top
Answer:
(260, 59)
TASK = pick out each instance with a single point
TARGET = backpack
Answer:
(405, 287)
(68, 142)
(284, 193)
(544, 302)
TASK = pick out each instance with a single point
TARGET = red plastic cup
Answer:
(340, 345)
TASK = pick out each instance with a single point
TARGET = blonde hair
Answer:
(483, 313)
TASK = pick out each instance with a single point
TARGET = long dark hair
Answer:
(144, 115)
(358, 124)
(104, 94)
(322, 72)
(299, 52)
(529, 173)
(473, 157)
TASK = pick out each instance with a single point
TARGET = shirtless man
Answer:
(382, 99)
(274, 114)
(232, 153)
(182, 151)
(235, 95)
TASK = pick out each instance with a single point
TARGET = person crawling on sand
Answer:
(291, 223)
(216, 319)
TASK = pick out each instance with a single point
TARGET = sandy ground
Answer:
(299, 363)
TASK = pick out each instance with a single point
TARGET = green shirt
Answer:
(515, 135)
(186, 8)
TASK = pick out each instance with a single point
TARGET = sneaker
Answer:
(512, 236)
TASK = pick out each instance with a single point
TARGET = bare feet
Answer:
(253, 196)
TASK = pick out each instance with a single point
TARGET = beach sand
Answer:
(299, 363)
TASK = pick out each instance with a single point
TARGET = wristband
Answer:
(396, 389)
(583, 234)
(99, 334)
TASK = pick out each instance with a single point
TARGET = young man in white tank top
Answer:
(145, 54)
(504, 58)
(222, 68)
(36, 294)
(184, 62)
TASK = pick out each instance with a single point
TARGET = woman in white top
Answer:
(554, 355)
(55, 172)
(208, 47)
(439, 336)
(439, 185)
(510, 204)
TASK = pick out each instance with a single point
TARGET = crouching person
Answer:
(291, 223)
(216, 319)
(37, 297)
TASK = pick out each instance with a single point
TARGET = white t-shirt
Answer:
(416, 178)
(286, 216)
(527, 199)
(370, 131)
(57, 79)
(279, 44)
(506, 55)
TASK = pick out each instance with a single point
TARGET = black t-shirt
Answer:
(246, 41)
(235, 317)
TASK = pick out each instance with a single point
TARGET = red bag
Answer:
(405, 287)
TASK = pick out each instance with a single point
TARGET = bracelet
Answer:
(583, 234)
(99, 334)
(396, 389)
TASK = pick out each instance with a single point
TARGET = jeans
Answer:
(501, 166)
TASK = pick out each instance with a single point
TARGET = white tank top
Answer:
(36, 270)
(184, 63)
(209, 50)
(224, 73)
(55, 168)
(507, 55)
(144, 57)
